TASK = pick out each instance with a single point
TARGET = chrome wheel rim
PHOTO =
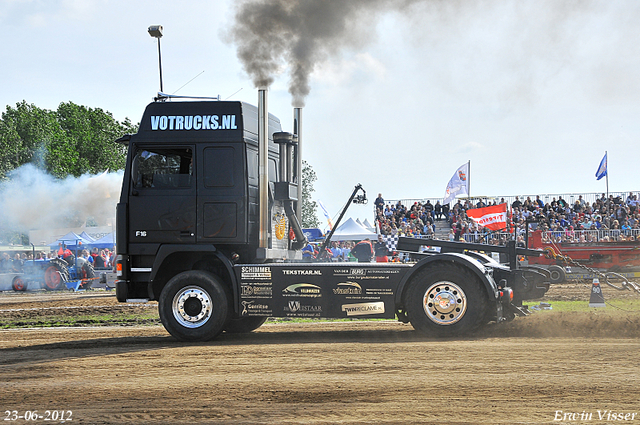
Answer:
(445, 303)
(192, 307)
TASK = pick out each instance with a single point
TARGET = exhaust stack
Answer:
(297, 131)
(286, 190)
(263, 168)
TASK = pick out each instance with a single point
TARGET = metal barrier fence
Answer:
(493, 238)
(564, 236)
(582, 236)
(571, 198)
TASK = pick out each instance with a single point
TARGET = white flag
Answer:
(458, 185)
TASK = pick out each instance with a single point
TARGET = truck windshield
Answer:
(169, 168)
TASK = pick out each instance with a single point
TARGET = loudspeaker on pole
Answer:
(596, 299)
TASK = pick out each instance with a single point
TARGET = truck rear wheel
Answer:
(446, 300)
(243, 325)
(194, 306)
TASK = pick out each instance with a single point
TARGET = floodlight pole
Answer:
(155, 31)
(160, 64)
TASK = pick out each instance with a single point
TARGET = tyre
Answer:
(558, 274)
(194, 306)
(244, 324)
(87, 274)
(55, 275)
(87, 271)
(446, 300)
(19, 284)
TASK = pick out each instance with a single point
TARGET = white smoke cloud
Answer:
(34, 200)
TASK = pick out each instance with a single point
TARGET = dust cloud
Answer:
(32, 199)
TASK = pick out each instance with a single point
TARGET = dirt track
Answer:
(356, 372)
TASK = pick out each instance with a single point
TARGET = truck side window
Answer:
(163, 168)
(252, 166)
(273, 170)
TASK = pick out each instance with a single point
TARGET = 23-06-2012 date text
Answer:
(55, 416)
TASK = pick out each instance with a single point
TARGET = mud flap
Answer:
(518, 310)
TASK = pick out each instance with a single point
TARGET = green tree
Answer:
(73, 140)
(25, 131)
(88, 145)
(309, 207)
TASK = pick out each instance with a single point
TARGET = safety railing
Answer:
(591, 236)
(493, 238)
(571, 198)
(560, 236)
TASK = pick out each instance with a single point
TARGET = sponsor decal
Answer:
(248, 308)
(302, 290)
(302, 309)
(348, 288)
(371, 273)
(255, 272)
(193, 122)
(280, 225)
(302, 272)
(379, 291)
(293, 306)
(363, 309)
(250, 291)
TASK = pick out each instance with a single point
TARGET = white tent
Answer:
(352, 231)
(368, 225)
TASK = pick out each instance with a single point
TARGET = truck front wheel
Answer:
(194, 306)
(446, 300)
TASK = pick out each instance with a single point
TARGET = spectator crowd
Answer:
(606, 219)
(98, 258)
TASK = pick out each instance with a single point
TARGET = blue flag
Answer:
(602, 169)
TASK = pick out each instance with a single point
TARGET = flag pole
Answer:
(607, 176)
(469, 179)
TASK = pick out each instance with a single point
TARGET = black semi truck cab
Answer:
(207, 226)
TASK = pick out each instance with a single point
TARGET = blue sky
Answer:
(531, 92)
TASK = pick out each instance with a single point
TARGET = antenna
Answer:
(164, 96)
(238, 91)
(187, 82)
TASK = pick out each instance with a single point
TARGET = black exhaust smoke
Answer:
(300, 34)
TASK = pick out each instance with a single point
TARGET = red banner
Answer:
(493, 217)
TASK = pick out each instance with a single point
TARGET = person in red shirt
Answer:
(363, 251)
